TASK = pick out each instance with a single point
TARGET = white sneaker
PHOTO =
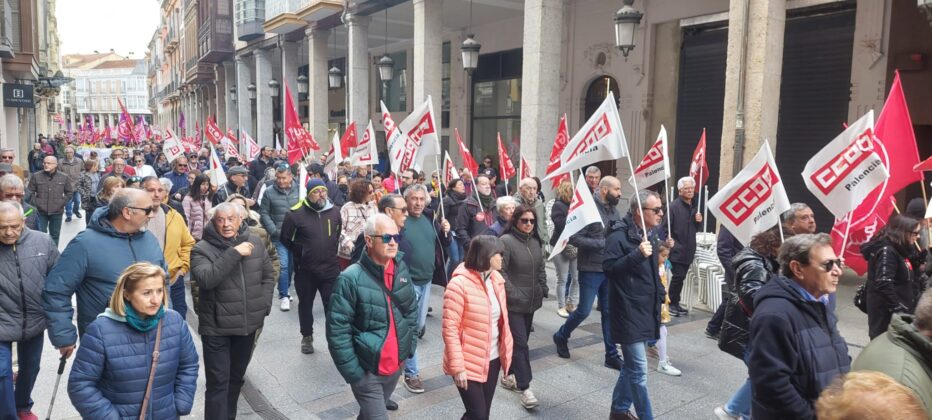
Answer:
(285, 304)
(723, 414)
(667, 369)
(563, 313)
(528, 400)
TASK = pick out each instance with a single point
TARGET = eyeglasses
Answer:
(829, 264)
(181, 166)
(146, 210)
(388, 237)
(526, 221)
(917, 232)
(402, 209)
(656, 210)
(6, 157)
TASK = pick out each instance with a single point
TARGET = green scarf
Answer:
(486, 200)
(142, 325)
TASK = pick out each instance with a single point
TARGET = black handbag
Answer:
(733, 337)
(860, 297)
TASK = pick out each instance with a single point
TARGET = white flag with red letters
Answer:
(601, 138)
(655, 167)
(334, 157)
(171, 146)
(215, 169)
(753, 200)
(449, 169)
(365, 153)
(846, 169)
(582, 213)
(420, 128)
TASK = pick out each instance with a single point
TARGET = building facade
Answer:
(743, 70)
(100, 83)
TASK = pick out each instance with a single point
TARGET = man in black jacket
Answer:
(635, 296)
(795, 350)
(685, 220)
(311, 231)
(591, 244)
(475, 216)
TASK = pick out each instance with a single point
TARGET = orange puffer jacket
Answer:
(466, 330)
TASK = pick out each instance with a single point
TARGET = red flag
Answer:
(698, 168)
(525, 168)
(349, 139)
(125, 130)
(198, 141)
(896, 142)
(214, 133)
(300, 142)
(925, 165)
(505, 168)
(468, 161)
(563, 137)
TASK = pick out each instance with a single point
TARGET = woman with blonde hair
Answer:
(108, 187)
(138, 358)
(868, 395)
(565, 261)
(476, 334)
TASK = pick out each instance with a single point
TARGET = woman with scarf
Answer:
(111, 375)
(453, 199)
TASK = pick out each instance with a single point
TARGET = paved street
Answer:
(283, 383)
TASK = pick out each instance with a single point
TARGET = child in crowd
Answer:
(665, 268)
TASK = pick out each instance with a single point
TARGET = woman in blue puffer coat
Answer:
(111, 370)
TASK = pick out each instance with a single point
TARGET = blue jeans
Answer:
(631, 387)
(423, 299)
(740, 402)
(591, 285)
(73, 203)
(455, 250)
(50, 223)
(284, 279)
(14, 398)
(177, 296)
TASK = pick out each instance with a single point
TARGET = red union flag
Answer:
(895, 142)
(655, 167)
(365, 153)
(300, 142)
(171, 146)
(847, 169)
(582, 213)
(754, 200)
(449, 170)
(214, 133)
(468, 161)
(506, 169)
(698, 168)
(601, 138)
(349, 139)
(559, 143)
(525, 169)
(420, 127)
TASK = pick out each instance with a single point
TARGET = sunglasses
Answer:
(388, 237)
(829, 264)
(526, 221)
(181, 166)
(146, 210)
(656, 210)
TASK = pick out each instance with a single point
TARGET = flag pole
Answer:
(439, 184)
(844, 239)
(636, 190)
(669, 191)
(705, 216)
(699, 204)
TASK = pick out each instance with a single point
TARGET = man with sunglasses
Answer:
(592, 282)
(795, 348)
(12, 189)
(8, 155)
(372, 319)
(685, 221)
(311, 231)
(178, 176)
(92, 262)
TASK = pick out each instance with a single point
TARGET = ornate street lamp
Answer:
(470, 51)
(274, 87)
(335, 77)
(627, 20)
(252, 91)
(302, 86)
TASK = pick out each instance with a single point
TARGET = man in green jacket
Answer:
(904, 352)
(372, 320)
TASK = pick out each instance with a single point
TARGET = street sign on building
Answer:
(17, 95)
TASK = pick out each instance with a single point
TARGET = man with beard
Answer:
(476, 216)
(685, 221)
(311, 231)
(592, 283)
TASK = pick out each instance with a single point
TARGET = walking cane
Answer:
(61, 370)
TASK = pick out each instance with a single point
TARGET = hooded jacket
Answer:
(891, 283)
(591, 239)
(313, 237)
(89, 268)
(635, 292)
(276, 203)
(235, 291)
(23, 268)
(903, 353)
(795, 352)
(111, 370)
(357, 320)
(523, 267)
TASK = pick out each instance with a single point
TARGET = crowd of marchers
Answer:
(373, 246)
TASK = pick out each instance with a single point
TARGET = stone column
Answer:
(318, 83)
(198, 110)
(243, 105)
(229, 79)
(291, 60)
(755, 54)
(358, 69)
(428, 41)
(264, 126)
(220, 95)
(540, 76)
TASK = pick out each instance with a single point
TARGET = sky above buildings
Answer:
(124, 25)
